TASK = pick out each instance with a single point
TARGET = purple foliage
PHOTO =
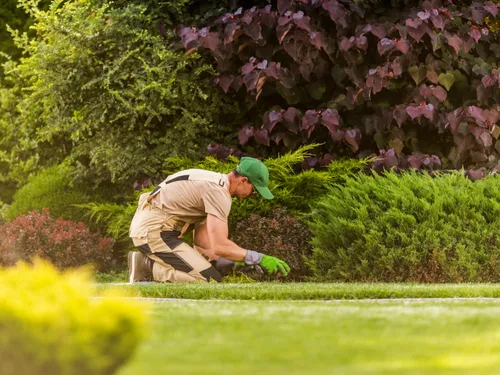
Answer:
(374, 85)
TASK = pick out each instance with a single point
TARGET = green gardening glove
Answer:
(268, 263)
(273, 265)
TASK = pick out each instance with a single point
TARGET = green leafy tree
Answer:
(14, 17)
(103, 86)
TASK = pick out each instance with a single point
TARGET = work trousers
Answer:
(159, 237)
(174, 260)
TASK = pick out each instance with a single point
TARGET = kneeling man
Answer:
(198, 200)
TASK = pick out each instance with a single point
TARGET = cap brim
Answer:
(265, 192)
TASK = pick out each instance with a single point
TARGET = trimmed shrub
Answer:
(64, 243)
(293, 187)
(279, 235)
(50, 325)
(408, 228)
(54, 189)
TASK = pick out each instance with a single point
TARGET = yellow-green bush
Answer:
(49, 324)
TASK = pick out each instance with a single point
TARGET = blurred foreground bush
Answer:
(409, 228)
(64, 243)
(49, 324)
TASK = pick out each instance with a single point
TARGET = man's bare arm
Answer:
(202, 242)
(223, 247)
(220, 244)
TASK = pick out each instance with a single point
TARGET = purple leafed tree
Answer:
(417, 86)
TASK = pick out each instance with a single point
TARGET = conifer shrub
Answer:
(63, 242)
(293, 188)
(50, 325)
(408, 228)
(280, 235)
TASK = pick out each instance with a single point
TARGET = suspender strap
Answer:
(182, 178)
(158, 188)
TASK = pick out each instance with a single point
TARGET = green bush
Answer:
(102, 85)
(293, 190)
(279, 235)
(50, 325)
(54, 189)
(410, 227)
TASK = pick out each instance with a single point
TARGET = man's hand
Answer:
(270, 264)
(273, 265)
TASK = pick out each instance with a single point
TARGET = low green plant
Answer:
(116, 218)
(237, 277)
(410, 227)
(50, 325)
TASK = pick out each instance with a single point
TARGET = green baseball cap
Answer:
(257, 174)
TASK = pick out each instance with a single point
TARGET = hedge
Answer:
(408, 228)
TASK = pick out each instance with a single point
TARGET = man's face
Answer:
(245, 189)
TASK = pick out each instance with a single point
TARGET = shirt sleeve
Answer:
(218, 203)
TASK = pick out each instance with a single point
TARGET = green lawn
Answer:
(314, 337)
(307, 291)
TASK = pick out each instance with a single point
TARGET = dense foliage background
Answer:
(100, 100)
(102, 87)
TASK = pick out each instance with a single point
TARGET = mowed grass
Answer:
(319, 337)
(306, 291)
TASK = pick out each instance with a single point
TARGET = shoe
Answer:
(140, 267)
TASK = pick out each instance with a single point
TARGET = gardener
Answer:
(200, 200)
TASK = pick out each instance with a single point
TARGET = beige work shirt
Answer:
(191, 200)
